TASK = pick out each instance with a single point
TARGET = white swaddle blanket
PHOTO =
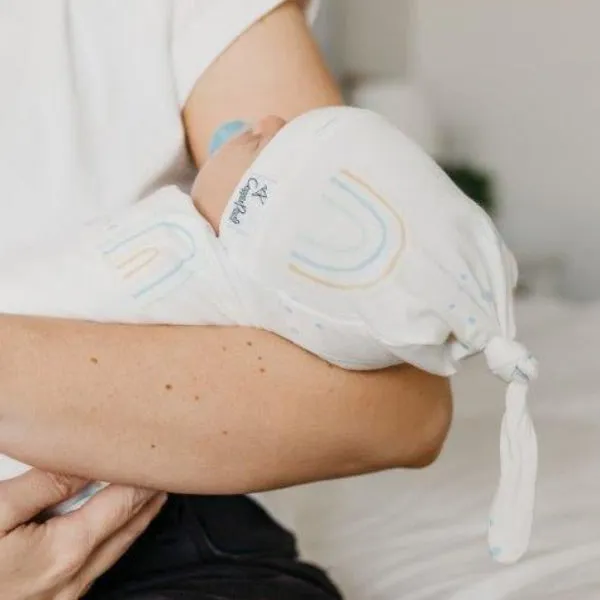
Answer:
(343, 237)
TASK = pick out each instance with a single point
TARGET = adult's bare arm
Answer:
(206, 409)
(274, 68)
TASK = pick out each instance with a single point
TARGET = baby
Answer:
(334, 231)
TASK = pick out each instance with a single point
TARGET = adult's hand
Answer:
(61, 558)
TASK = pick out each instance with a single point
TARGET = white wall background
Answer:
(373, 36)
(365, 37)
(328, 32)
(517, 84)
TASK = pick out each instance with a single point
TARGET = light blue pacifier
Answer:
(226, 132)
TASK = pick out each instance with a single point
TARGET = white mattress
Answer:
(422, 535)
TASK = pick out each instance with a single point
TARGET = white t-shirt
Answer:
(90, 101)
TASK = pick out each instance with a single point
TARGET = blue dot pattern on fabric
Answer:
(226, 132)
(495, 552)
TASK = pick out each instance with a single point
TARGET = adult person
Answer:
(106, 102)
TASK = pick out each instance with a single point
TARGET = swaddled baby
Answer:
(341, 236)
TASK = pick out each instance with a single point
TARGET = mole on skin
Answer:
(168, 387)
(94, 360)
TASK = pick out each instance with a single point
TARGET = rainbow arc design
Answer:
(358, 241)
(143, 259)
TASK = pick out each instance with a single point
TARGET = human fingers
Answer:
(106, 513)
(24, 497)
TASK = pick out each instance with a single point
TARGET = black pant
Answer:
(214, 548)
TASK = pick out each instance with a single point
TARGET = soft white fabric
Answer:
(350, 241)
(157, 261)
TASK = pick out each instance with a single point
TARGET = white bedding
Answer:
(422, 535)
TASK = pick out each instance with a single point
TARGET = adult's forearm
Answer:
(207, 410)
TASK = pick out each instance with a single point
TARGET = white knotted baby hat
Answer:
(342, 200)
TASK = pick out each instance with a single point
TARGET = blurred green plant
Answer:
(475, 183)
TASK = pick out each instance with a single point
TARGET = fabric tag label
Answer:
(254, 194)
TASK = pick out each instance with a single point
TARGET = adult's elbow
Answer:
(415, 437)
(435, 426)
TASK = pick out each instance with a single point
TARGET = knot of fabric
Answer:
(510, 360)
(512, 510)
